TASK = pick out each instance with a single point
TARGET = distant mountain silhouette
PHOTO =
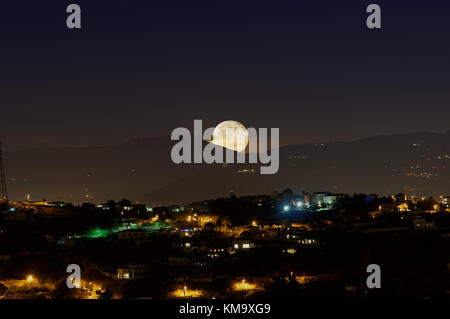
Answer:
(141, 169)
(102, 173)
(419, 162)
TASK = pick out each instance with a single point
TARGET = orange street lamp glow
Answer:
(243, 285)
(187, 293)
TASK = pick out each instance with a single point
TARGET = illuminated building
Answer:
(243, 245)
(205, 219)
(446, 201)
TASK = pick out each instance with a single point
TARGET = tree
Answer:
(210, 226)
(107, 294)
(124, 202)
(3, 289)
(111, 203)
(87, 206)
(287, 194)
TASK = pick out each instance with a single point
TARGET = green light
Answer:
(103, 233)
(97, 233)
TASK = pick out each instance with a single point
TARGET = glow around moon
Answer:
(232, 135)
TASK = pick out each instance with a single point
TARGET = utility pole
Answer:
(3, 189)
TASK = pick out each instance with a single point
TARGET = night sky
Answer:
(143, 68)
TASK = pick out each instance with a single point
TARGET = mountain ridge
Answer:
(141, 169)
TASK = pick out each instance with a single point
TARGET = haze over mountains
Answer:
(141, 169)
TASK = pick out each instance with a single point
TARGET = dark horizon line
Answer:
(137, 138)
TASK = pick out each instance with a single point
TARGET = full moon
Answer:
(232, 135)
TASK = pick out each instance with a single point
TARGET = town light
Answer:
(185, 292)
(244, 285)
(286, 208)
